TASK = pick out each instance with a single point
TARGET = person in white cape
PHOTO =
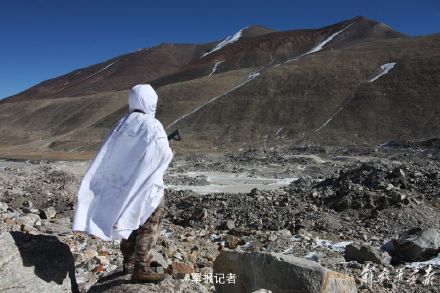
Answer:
(122, 193)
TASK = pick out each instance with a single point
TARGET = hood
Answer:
(144, 98)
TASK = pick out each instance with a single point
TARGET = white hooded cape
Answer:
(124, 183)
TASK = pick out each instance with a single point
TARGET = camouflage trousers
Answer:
(138, 248)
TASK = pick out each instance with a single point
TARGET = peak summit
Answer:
(255, 31)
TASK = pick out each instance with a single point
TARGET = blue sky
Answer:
(41, 39)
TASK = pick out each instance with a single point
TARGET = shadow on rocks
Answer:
(110, 282)
(51, 258)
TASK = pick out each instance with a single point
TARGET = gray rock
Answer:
(399, 178)
(199, 213)
(3, 207)
(48, 213)
(27, 228)
(417, 244)
(82, 276)
(231, 241)
(169, 247)
(272, 237)
(227, 225)
(28, 220)
(158, 259)
(364, 252)
(313, 256)
(35, 263)
(304, 234)
(28, 204)
(30, 211)
(62, 221)
(284, 233)
(274, 225)
(254, 192)
(9, 215)
(277, 272)
(55, 228)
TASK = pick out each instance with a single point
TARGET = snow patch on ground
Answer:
(227, 41)
(166, 233)
(214, 69)
(385, 69)
(338, 246)
(435, 262)
(251, 76)
(312, 255)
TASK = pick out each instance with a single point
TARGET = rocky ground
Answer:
(372, 214)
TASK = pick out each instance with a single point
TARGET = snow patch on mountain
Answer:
(227, 41)
(214, 69)
(100, 70)
(251, 76)
(68, 84)
(321, 45)
(330, 119)
(329, 39)
(385, 69)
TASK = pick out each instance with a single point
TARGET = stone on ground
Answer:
(417, 244)
(35, 263)
(252, 271)
(363, 252)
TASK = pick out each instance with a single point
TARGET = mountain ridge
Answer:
(316, 86)
(98, 77)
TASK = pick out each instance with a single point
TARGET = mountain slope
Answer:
(295, 101)
(124, 71)
(115, 74)
(277, 47)
(257, 87)
(251, 47)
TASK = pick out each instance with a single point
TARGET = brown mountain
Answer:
(115, 74)
(276, 47)
(257, 87)
(124, 71)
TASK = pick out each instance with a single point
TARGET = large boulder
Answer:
(35, 263)
(363, 252)
(417, 244)
(275, 272)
